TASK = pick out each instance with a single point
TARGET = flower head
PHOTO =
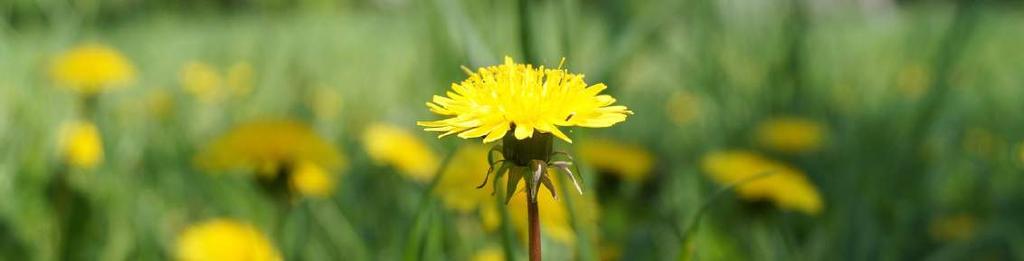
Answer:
(267, 147)
(92, 68)
(522, 99)
(225, 240)
(791, 134)
(81, 144)
(784, 186)
(311, 180)
(390, 145)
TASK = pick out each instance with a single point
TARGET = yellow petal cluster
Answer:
(628, 161)
(92, 68)
(81, 144)
(311, 180)
(225, 240)
(494, 99)
(267, 146)
(791, 134)
(783, 185)
(394, 146)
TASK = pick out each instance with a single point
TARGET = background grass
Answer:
(921, 102)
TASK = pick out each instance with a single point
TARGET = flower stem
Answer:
(531, 206)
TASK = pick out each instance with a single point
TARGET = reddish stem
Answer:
(534, 230)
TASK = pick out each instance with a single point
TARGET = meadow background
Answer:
(908, 127)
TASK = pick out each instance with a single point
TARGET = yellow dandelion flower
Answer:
(311, 180)
(953, 228)
(390, 145)
(790, 134)
(268, 147)
(225, 240)
(457, 187)
(239, 79)
(495, 99)
(92, 68)
(489, 254)
(785, 186)
(202, 81)
(629, 162)
(81, 144)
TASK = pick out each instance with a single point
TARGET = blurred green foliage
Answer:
(920, 102)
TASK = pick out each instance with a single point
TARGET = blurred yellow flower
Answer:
(92, 68)
(791, 134)
(554, 217)
(980, 141)
(239, 79)
(489, 254)
(458, 185)
(202, 81)
(269, 147)
(913, 80)
(786, 187)
(953, 228)
(312, 181)
(391, 145)
(225, 240)
(1020, 152)
(326, 103)
(81, 144)
(629, 162)
(683, 107)
(159, 103)
(497, 98)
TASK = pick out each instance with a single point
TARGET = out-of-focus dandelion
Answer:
(531, 103)
(81, 144)
(159, 102)
(629, 162)
(683, 107)
(92, 68)
(554, 217)
(1020, 152)
(791, 134)
(225, 240)
(953, 227)
(981, 142)
(457, 186)
(309, 179)
(394, 146)
(202, 81)
(489, 254)
(782, 185)
(239, 79)
(276, 149)
(326, 103)
(913, 80)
